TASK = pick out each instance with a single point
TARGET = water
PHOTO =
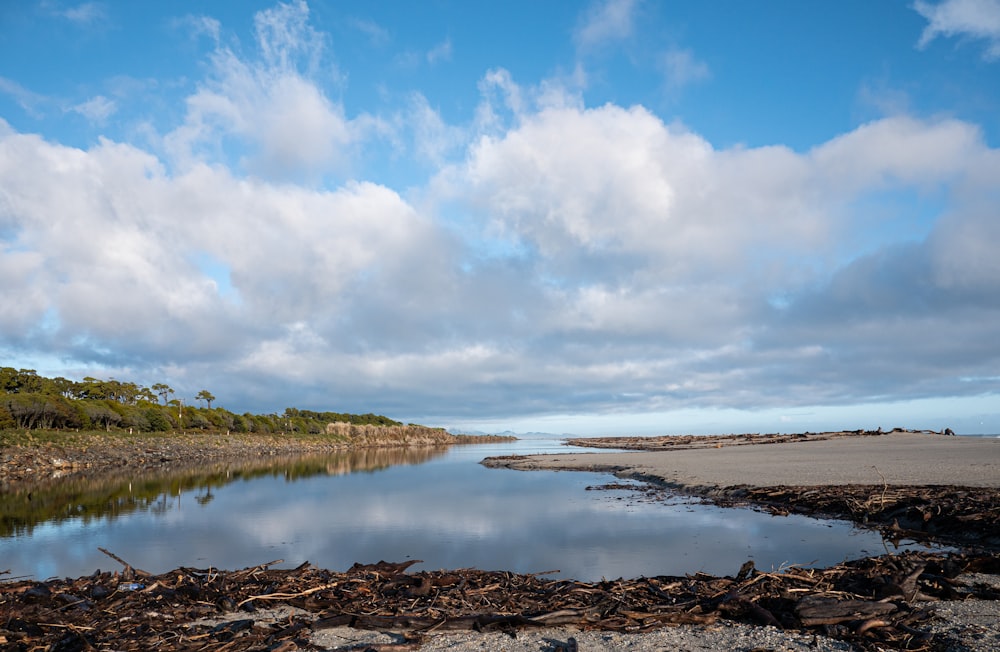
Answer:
(436, 505)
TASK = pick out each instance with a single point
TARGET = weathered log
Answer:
(822, 610)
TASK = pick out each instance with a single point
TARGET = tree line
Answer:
(30, 401)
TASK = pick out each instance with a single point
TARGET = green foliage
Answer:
(239, 423)
(163, 391)
(34, 410)
(29, 401)
(205, 395)
(100, 414)
(336, 417)
(6, 420)
(158, 421)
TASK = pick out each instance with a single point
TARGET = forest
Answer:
(33, 402)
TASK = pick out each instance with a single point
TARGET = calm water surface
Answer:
(437, 505)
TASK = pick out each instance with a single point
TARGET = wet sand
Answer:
(896, 459)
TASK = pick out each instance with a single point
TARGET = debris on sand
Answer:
(873, 603)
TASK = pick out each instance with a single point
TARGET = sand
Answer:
(903, 458)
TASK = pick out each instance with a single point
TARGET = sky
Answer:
(614, 217)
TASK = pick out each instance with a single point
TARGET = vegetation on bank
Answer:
(31, 402)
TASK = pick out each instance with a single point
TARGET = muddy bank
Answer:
(877, 603)
(64, 455)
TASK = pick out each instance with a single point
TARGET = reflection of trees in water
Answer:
(111, 495)
(376, 459)
(205, 498)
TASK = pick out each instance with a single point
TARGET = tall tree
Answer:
(204, 395)
(163, 390)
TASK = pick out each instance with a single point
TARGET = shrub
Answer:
(6, 420)
(158, 422)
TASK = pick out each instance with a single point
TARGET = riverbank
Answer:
(35, 456)
(927, 601)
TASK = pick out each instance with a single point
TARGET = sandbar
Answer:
(897, 459)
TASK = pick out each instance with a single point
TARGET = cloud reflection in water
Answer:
(443, 508)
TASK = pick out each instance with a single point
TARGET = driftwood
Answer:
(965, 516)
(869, 602)
(821, 610)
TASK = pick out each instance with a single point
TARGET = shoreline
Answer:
(62, 455)
(906, 484)
(739, 613)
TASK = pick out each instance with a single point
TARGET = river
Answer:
(438, 505)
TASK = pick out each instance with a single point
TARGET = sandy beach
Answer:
(898, 458)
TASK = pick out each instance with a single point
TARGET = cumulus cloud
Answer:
(662, 256)
(289, 128)
(971, 19)
(564, 258)
(108, 243)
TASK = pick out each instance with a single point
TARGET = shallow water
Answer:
(437, 505)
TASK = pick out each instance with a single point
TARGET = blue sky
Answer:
(608, 217)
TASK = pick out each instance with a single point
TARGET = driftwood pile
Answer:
(965, 516)
(873, 603)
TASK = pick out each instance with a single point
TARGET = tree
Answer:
(163, 390)
(8, 380)
(204, 395)
(62, 386)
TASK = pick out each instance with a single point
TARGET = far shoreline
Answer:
(37, 456)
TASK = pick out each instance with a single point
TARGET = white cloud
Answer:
(285, 125)
(682, 68)
(619, 182)
(434, 139)
(377, 35)
(659, 254)
(564, 258)
(606, 21)
(974, 19)
(440, 52)
(898, 150)
(26, 99)
(286, 38)
(642, 279)
(97, 109)
(107, 240)
(85, 13)
(203, 25)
